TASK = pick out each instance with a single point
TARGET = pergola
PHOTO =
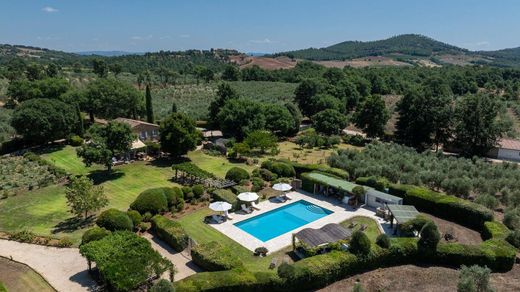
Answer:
(401, 214)
(327, 234)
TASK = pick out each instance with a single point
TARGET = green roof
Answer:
(384, 196)
(332, 181)
(403, 213)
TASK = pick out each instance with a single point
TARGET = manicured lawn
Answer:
(19, 277)
(201, 232)
(218, 165)
(372, 230)
(65, 157)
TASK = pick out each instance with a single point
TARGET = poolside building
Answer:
(377, 199)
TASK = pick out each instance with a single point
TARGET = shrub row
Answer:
(303, 168)
(232, 280)
(226, 196)
(170, 231)
(280, 168)
(237, 174)
(444, 206)
(157, 200)
(212, 256)
(494, 229)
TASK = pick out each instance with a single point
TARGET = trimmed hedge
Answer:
(444, 206)
(237, 174)
(113, 219)
(280, 168)
(372, 181)
(230, 281)
(212, 256)
(226, 196)
(93, 234)
(303, 168)
(152, 200)
(170, 231)
(494, 229)
(135, 217)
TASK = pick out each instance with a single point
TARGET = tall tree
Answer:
(174, 107)
(238, 117)
(178, 134)
(106, 142)
(278, 119)
(100, 68)
(371, 116)
(224, 93)
(305, 91)
(329, 122)
(83, 197)
(297, 118)
(43, 120)
(149, 106)
(231, 73)
(477, 128)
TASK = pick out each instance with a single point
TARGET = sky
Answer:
(252, 26)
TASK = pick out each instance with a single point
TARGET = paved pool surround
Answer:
(341, 213)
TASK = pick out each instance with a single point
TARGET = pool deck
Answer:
(341, 213)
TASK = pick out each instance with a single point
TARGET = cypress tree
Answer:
(81, 126)
(174, 107)
(149, 109)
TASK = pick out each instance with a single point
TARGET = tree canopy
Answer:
(83, 197)
(371, 116)
(178, 134)
(238, 117)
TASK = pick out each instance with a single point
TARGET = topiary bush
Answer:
(237, 174)
(281, 169)
(198, 191)
(170, 231)
(135, 217)
(212, 256)
(187, 193)
(429, 237)
(359, 243)
(113, 219)
(152, 200)
(383, 240)
(162, 285)
(93, 234)
(258, 184)
(226, 196)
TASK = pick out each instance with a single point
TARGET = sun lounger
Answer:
(281, 199)
(226, 214)
(288, 196)
(254, 206)
(245, 209)
(217, 219)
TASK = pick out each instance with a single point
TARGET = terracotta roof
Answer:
(509, 144)
(134, 123)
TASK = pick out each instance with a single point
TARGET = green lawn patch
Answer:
(19, 277)
(372, 230)
(218, 165)
(203, 233)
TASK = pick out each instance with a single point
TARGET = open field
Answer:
(293, 152)
(372, 230)
(195, 99)
(462, 234)
(19, 277)
(414, 278)
(218, 165)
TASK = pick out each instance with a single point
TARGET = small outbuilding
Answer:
(377, 199)
(401, 214)
(507, 149)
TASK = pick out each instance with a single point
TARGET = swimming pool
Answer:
(284, 219)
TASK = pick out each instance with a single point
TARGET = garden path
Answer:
(64, 268)
(183, 264)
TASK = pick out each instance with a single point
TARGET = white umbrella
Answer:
(283, 187)
(220, 206)
(248, 197)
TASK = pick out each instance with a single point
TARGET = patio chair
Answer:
(246, 209)
(226, 214)
(254, 206)
(217, 219)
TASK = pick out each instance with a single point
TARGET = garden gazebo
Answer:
(401, 214)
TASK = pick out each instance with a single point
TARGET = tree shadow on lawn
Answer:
(101, 176)
(168, 161)
(47, 149)
(72, 224)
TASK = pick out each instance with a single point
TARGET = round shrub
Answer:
(151, 200)
(93, 234)
(237, 174)
(178, 192)
(514, 238)
(283, 169)
(162, 286)
(267, 174)
(383, 241)
(188, 193)
(76, 141)
(147, 217)
(430, 237)
(113, 219)
(198, 191)
(512, 219)
(258, 184)
(359, 243)
(135, 217)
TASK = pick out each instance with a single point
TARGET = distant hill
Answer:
(108, 53)
(407, 44)
(411, 48)
(9, 52)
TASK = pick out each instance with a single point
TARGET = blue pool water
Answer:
(279, 221)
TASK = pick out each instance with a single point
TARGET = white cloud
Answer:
(141, 38)
(49, 9)
(264, 41)
(185, 36)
